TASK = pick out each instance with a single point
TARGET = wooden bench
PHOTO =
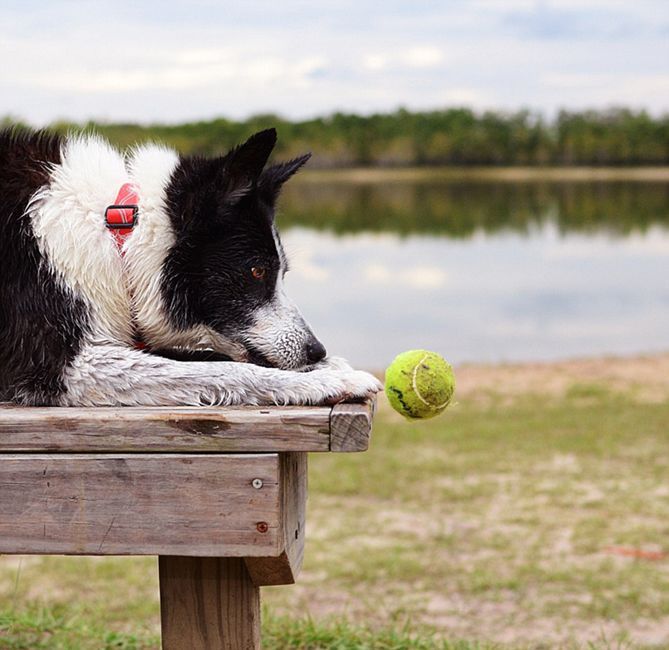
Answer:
(218, 494)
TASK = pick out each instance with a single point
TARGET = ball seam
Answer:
(414, 383)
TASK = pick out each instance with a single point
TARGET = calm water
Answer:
(481, 271)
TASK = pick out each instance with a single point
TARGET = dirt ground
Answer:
(645, 378)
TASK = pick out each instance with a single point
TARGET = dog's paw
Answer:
(330, 386)
(360, 384)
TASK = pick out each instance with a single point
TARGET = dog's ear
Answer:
(244, 164)
(275, 176)
(203, 188)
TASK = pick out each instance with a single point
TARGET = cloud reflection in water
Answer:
(492, 297)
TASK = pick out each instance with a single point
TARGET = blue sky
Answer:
(167, 61)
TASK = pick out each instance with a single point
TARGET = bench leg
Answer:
(208, 603)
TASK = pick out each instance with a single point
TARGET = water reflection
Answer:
(460, 209)
(519, 273)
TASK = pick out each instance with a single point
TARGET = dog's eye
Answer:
(258, 272)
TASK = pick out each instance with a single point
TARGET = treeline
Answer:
(446, 137)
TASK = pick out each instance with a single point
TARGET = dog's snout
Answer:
(315, 351)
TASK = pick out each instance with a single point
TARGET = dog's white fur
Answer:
(113, 375)
(120, 291)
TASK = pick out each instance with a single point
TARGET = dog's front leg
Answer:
(107, 375)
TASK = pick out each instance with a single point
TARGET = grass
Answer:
(284, 632)
(494, 526)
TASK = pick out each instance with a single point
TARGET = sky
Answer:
(170, 62)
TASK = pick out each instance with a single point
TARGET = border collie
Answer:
(200, 273)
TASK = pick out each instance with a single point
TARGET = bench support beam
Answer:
(284, 568)
(208, 603)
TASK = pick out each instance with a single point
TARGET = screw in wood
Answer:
(256, 483)
(262, 527)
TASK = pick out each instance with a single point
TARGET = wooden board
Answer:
(208, 604)
(345, 427)
(284, 569)
(141, 504)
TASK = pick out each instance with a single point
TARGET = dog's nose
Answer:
(315, 351)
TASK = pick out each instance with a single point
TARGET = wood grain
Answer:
(351, 426)
(284, 569)
(208, 604)
(141, 504)
(184, 429)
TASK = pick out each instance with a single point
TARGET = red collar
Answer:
(121, 216)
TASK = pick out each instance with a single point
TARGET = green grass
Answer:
(486, 528)
(283, 632)
(37, 626)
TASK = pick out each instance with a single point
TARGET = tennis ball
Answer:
(419, 384)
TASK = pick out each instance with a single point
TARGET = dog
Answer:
(171, 294)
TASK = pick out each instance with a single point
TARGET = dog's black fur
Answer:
(223, 211)
(42, 324)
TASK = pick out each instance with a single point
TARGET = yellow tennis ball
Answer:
(419, 384)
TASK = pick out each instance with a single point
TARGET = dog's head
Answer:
(225, 271)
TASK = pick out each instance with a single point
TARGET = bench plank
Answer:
(345, 427)
(141, 504)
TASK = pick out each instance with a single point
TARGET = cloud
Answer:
(463, 96)
(176, 63)
(422, 57)
(635, 90)
(180, 70)
(375, 62)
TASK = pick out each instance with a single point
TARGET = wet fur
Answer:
(71, 304)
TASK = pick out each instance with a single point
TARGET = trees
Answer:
(453, 136)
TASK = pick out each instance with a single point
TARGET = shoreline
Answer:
(644, 377)
(364, 175)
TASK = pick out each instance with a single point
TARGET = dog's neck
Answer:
(150, 168)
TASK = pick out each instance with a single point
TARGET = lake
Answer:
(480, 270)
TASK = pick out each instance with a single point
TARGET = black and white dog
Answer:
(202, 269)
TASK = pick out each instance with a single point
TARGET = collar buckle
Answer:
(121, 217)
